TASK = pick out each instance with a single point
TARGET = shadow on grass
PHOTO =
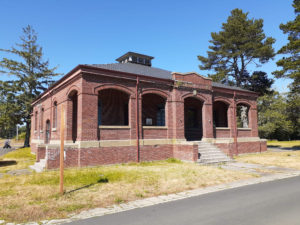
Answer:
(8, 163)
(294, 148)
(101, 180)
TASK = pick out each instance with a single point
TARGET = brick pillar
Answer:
(207, 120)
(253, 120)
(178, 119)
(68, 107)
(87, 117)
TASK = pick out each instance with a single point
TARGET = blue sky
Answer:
(174, 32)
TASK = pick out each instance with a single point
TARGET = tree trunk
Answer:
(27, 135)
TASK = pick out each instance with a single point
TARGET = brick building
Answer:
(131, 111)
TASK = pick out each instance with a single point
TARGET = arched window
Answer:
(113, 107)
(153, 110)
(220, 114)
(35, 120)
(41, 118)
(242, 111)
(47, 134)
(54, 115)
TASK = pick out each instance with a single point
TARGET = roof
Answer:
(136, 69)
(151, 72)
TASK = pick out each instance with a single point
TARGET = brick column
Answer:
(178, 119)
(132, 117)
(253, 120)
(87, 117)
(207, 120)
(68, 107)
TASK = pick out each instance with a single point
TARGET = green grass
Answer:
(284, 144)
(23, 158)
(36, 197)
(22, 153)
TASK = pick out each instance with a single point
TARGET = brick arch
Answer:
(197, 96)
(244, 102)
(157, 92)
(224, 100)
(54, 99)
(71, 89)
(118, 87)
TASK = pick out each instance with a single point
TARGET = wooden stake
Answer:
(62, 135)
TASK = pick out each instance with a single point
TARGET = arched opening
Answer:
(73, 97)
(242, 115)
(35, 120)
(220, 114)
(153, 110)
(193, 119)
(42, 119)
(54, 115)
(113, 108)
(47, 135)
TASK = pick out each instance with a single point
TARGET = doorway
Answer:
(193, 119)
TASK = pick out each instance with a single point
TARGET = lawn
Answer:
(35, 197)
(20, 159)
(284, 144)
(289, 159)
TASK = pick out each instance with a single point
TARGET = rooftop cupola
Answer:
(132, 57)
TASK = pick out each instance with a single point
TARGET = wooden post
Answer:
(62, 134)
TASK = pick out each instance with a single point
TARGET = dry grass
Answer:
(13, 142)
(22, 157)
(284, 144)
(35, 197)
(289, 159)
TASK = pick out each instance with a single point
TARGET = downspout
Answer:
(137, 120)
(235, 133)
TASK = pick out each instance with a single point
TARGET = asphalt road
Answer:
(270, 203)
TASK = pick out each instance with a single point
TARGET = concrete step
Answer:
(209, 151)
(210, 154)
(206, 149)
(215, 156)
(220, 160)
(39, 166)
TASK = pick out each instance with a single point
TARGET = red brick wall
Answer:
(114, 134)
(41, 153)
(186, 152)
(156, 152)
(222, 133)
(243, 147)
(154, 133)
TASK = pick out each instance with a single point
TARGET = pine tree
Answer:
(30, 75)
(240, 42)
(290, 67)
